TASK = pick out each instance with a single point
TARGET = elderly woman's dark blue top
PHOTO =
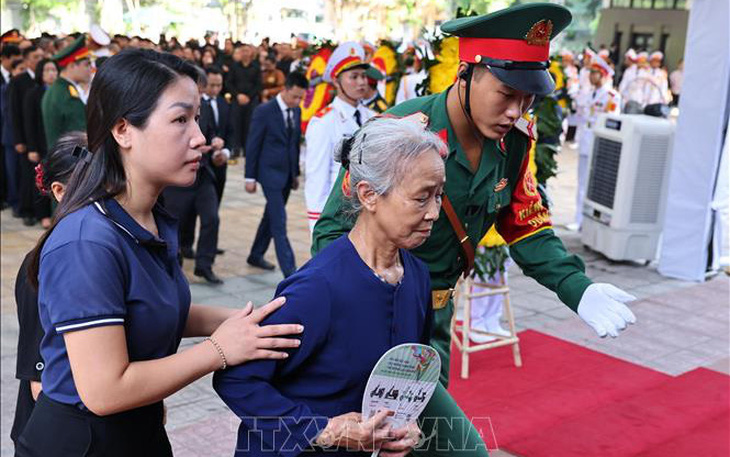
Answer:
(351, 318)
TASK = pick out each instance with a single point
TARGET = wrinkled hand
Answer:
(404, 440)
(243, 339)
(602, 307)
(20, 148)
(243, 99)
(34, 157)
(348, 431)
(251, 187)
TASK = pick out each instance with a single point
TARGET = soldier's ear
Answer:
(122, 134)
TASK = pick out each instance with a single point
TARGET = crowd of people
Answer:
(137, 138)
(640, 84)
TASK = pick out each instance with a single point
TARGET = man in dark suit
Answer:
(17, 90)
(272, 159)
(216, 124)
(10, 54)
(200, 199)
(218, 114)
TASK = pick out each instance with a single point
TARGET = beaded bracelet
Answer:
(220, 351)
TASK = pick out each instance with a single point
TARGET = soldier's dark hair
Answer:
(296, 78)
(127, 87)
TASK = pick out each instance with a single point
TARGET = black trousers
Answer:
(201, 199)
(220, 180)
(273, 226)
(60, 430)
(245, 113)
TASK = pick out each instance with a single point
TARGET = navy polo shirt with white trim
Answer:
(100, 267)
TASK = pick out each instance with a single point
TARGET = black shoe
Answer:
(187, 252)
(16, 213)
(220, 251)
(208, 275)
(260, 263)
(29, 221)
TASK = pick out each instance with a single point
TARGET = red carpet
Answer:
(570, 401)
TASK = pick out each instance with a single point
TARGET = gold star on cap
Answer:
(539, 34)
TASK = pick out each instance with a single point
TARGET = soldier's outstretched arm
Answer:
(525, 224)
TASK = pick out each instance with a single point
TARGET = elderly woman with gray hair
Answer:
(362, 295)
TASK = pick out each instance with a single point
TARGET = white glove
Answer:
(602, 307)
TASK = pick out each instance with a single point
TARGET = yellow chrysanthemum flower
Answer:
(443, 73)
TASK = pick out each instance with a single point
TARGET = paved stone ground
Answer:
(681, 325)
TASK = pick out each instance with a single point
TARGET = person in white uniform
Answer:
(630, 72)
(660, 78)
(346, 71)
(415, 74)
(603, 98)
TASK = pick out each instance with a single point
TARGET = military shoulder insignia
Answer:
(501, 184)
(527, 127)
(539, 34)
(417, 117)
(323, 111)
(74, 93)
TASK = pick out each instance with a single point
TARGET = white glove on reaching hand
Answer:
(602, 307)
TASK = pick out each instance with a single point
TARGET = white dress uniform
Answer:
(408, 84)
(604, 99)
(327, 129)
(626, 79)
(660, 92)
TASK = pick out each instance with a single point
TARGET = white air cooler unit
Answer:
(627, 186)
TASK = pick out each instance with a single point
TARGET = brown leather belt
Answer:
(439, 298)
(466, 247)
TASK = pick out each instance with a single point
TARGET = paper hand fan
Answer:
(402, 381)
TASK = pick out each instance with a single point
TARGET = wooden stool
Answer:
(460, 331)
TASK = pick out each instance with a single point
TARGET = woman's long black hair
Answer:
(127, 87)
(39, 69)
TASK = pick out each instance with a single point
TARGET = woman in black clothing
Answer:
(45, 74)
(51, 178)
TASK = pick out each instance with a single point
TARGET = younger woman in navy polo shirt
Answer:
(113, 300)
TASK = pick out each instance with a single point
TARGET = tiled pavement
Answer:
(680, 326)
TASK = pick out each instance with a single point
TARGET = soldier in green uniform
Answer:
(504, 57)
(373, 99)
(63, 107)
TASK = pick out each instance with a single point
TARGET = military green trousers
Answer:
(446, 429)
(441, 338)
(447, 432)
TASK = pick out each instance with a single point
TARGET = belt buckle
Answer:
(442, 297)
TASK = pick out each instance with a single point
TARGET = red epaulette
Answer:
(323, 111)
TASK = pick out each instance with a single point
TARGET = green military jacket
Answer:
(501, 192)
(63, 110)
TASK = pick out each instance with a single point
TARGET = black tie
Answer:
(289, 123)
(357, 118)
